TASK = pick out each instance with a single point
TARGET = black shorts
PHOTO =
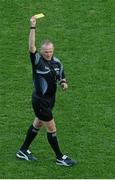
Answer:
(43, 106)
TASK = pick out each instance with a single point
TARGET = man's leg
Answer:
(31, 134)
(24, 153)
(52, 137)
(61, 159)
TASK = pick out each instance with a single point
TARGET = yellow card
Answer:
(37, 16)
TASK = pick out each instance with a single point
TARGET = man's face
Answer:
(47, 51)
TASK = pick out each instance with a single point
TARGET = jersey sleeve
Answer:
(61, 74)
(35, 58)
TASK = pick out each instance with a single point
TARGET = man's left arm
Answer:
(63, 82)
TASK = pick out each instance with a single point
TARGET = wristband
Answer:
(32, 27)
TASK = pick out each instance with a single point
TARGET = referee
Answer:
(47, 70)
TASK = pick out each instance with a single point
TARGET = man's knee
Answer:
(51, 127)
(37, 123)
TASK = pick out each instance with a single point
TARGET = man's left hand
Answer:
(64, 86)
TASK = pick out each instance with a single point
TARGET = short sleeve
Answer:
(35, 58)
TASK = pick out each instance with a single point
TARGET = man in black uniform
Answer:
(47, 70)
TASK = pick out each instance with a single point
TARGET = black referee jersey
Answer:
(45, 74)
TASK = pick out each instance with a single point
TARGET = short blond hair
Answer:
(46, 42)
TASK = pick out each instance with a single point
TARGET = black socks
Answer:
(31, 134)
(52, 139)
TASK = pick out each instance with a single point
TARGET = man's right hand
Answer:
(33, 21)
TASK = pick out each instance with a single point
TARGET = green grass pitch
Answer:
(83, 34)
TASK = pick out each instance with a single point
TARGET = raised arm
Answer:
(32, 47)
